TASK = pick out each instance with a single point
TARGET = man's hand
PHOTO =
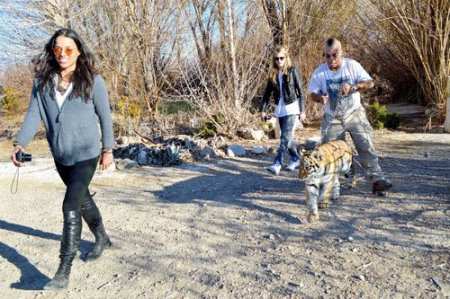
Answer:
(323, 99)
(346, 89)
(106, 159)
(16, 149)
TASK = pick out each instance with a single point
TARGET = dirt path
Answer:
(230, 230)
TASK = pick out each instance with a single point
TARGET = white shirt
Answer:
(327, 82)
(61, 97)
(282, 109)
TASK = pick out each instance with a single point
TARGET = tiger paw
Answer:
(313, 217)
(322, 205)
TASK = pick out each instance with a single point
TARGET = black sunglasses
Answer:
(279, 58)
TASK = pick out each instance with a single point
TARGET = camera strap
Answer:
(15, 182)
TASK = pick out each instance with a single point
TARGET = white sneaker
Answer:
(274, 168)
(293, 165)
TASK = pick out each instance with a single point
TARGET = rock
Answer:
(252, 134)
(126, 164)
(217, 142)
(238, 150)
(259, 150)
(350, 239)
(274, 124)
(230, 153)
(208, 152)
(122, 140)
(142, 157)
(125, 140)
(210, 279)
(436, 282)
(293, 285)
(205, 153)
(257, 135)
(245, 133)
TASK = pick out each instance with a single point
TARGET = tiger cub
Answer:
(320, 169)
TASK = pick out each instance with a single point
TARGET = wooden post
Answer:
(447, 115)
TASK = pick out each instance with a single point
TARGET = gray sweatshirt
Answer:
(72, 130)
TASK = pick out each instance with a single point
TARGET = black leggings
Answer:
(77, 178)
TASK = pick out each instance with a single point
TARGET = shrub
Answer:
(209, 127)
(380, 118)
(173, 107)
(129, 108)
(11, 101)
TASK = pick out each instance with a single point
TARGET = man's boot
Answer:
(93, 218)
(380, 186)
(70, 243)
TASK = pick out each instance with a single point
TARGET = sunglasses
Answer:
(58, 51)
(334, 55)
(279, 58)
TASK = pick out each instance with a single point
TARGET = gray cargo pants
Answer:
(361, 132)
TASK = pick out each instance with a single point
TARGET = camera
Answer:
(23, 157)
(267, 117)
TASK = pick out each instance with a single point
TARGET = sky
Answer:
(15, 35)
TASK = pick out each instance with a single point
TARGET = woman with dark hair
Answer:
(285, 85)
(70, 98)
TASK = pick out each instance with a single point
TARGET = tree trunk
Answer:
(447, 115)
(237, 103)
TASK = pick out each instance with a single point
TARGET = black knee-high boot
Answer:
(70, 243)
(92, 216)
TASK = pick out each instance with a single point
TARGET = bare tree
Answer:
(415, 37)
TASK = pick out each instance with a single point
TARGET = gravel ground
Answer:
(228, 229)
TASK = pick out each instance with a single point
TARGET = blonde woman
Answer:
(285, 86)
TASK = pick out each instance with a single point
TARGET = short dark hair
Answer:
(331, 42)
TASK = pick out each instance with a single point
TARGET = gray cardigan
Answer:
(72, 130)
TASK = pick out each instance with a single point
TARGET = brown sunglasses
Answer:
(334, 55)
(58, 51)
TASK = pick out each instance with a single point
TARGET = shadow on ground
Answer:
(31, 278)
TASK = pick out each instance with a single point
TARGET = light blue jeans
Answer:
(287, 144)
(361, 132)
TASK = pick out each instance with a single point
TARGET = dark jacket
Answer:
(292, 90)
(72, 130)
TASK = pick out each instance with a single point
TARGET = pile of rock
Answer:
(161, 155)
(174, 150)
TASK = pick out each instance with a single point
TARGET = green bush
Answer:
(209, 127)
(173, 107)
(11, 101)
(380, 118)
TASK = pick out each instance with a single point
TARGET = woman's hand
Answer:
(302, 117)
(15, 150)
(106, 159)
